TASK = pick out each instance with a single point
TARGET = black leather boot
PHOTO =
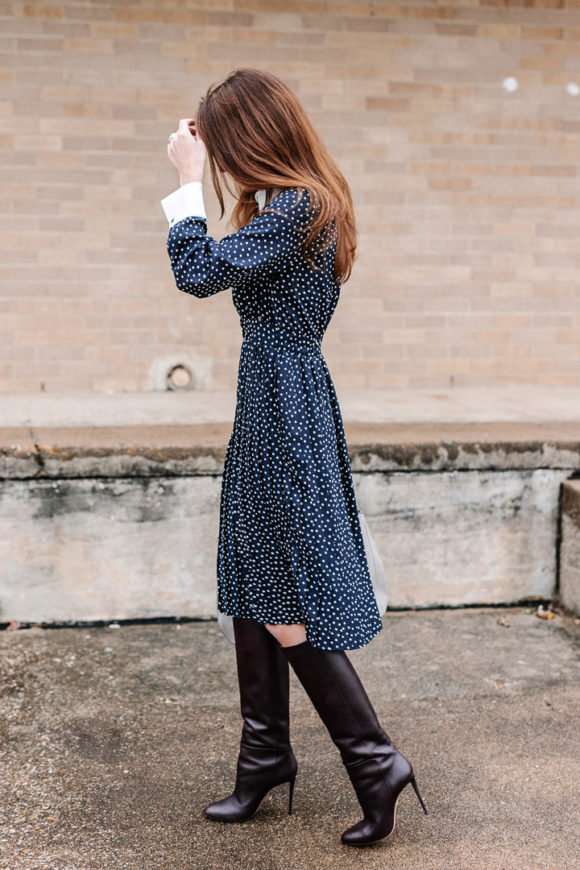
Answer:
(265, 758)
(377, 770)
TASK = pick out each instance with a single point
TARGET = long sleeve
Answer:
(203, 266)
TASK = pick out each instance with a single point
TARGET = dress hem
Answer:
(316, 646)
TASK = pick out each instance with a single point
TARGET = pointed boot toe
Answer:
(259, 771)
(227, 810)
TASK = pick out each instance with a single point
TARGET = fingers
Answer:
(187, 126)
(185, 149)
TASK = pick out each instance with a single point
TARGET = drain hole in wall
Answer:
(179, 377)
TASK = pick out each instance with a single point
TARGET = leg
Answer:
(266, 758)
(377, 770)
(288, 635)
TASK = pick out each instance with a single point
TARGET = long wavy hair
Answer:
(257, 132)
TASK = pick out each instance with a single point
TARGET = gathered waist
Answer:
(257, 331)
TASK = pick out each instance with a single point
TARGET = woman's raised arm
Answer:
(203, 266)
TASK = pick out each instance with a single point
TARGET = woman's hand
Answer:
(187, 152)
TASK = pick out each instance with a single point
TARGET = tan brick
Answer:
(163, 16)
(500, 31)
(114, 29)
(541, 63)
(542, 33)
(449, 183)
(41, 10)
(89, 46)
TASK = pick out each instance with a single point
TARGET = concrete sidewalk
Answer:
(114, 739)
(512, 403)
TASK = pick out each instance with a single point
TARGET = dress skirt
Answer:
(290, 547)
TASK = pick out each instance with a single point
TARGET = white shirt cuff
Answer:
(186, 201)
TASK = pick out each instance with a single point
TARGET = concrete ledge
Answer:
(127, 450)
(461, 489)
(120, 522)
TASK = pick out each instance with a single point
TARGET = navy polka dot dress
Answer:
(290, 546)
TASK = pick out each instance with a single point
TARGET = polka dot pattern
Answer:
(290, 546)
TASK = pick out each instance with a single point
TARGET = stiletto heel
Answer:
(418, 793)
(290, 794)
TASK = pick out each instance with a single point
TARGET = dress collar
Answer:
(260, 197)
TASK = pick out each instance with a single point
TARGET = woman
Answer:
(291, 563)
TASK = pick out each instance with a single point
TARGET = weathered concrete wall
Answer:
(108, 549)
(570, 546)
(464, 537)
(124, 524)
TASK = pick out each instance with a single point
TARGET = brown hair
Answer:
(256, 130)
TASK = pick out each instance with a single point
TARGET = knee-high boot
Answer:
(377, 770)
(266, 758)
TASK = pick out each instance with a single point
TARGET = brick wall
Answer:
(467, 193)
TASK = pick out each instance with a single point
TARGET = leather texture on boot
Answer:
(335, 689)
(377, 770)
(258, 771)
(265, 758)
(378, 784)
